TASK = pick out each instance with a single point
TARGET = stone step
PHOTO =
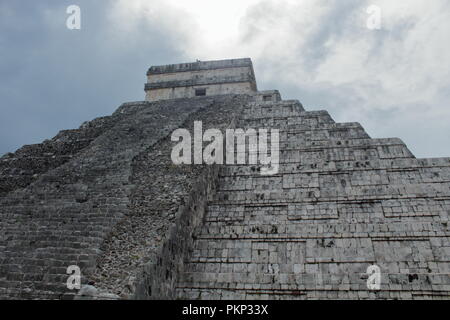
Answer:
(435, 167)
(274, 232)
(342, 182)
(334, 192)
(310, 281)
(275, 294)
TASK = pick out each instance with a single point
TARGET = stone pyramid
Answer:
(108, 199)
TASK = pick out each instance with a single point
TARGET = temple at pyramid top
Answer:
(201, 78)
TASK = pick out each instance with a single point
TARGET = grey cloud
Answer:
(370, 99)
(54, 78)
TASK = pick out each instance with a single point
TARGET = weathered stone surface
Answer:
(107, 198)
(340, 203)
(19, 169)
(72, 213)
(160, 200)
(211, 77)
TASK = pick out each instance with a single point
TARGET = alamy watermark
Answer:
(235, 144)
(74, 280)
(374, 20)
(73, 22)
(374, 279)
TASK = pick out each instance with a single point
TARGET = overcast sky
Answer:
(394, 80)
